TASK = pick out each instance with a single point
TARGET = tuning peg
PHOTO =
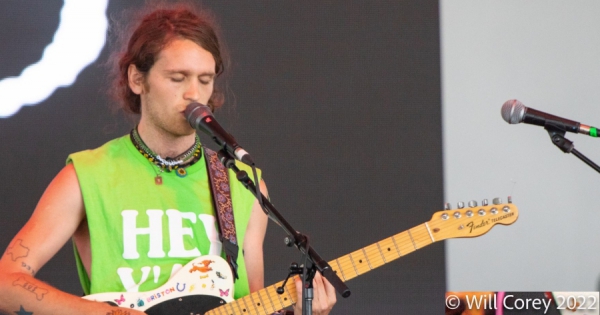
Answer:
(484, 202)
(472, 204)
(497, 201)
(461, 205)
(447, 206)
(509, 199)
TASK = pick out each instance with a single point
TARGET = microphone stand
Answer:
(294, 238)
(556, 130)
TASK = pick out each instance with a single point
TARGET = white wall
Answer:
(547, 55)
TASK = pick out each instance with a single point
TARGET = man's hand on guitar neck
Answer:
(323, 296)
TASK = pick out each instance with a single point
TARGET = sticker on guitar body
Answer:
(180, 286)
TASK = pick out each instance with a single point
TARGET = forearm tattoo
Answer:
(39, 292)
(16, 250)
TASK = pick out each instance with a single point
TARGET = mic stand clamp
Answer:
(294, 270)
(307, 275)
(557, 131)
(294, 238)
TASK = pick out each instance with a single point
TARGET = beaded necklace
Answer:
(168, 164)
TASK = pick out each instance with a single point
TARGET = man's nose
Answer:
(192, 92)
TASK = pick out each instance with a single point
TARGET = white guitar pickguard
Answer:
(206, 275)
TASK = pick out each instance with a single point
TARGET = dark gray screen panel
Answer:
(339, 104)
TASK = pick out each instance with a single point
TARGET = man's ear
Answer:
(136, 79)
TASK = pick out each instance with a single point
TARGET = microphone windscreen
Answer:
(513, 111)
(196, 111)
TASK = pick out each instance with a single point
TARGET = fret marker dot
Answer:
(389, 249)
(360, 261)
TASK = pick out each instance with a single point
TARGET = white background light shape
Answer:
(78, 41)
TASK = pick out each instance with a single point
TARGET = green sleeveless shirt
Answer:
(140, 232)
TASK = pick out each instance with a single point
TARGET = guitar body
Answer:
(201, 285)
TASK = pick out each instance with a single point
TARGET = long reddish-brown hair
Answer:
(151, 30)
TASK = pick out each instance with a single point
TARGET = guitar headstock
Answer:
(473, 220)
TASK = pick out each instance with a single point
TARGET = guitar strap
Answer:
(221, 192)
(219, 183)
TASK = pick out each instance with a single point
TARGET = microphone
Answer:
(515, 112)
(200, 118)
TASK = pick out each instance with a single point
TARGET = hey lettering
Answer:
(147, 239)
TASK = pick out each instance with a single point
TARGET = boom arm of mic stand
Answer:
(299, 239)
(557, 135)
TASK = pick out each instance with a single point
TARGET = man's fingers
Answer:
(331, 293)
(324, 295)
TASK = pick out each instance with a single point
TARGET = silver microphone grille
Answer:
(513, 111)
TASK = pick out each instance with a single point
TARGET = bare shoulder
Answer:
(54, 220)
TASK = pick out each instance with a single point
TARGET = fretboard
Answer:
(267, 300)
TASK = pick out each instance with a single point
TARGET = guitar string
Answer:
(406, 241)
(347, 265)
(379, 259)
(290, 287)
(263, 303)
(255, 306)
(244, 299)
(419, 234)
(376, 259)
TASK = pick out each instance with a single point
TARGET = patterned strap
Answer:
(219, 182)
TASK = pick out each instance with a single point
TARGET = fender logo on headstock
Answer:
(472, 225)
(484, 222)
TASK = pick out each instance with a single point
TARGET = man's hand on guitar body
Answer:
(323, 296)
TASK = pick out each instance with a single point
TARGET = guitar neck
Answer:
(467, 222)
(267, 300)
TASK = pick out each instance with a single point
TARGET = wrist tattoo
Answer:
(25, 266)
(39, 292)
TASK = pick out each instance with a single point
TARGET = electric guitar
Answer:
(204, 286)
